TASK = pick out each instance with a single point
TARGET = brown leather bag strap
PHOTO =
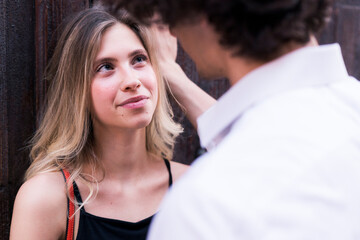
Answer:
(71, 209)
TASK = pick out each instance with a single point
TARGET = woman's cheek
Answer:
(103, 93)
(149, 79)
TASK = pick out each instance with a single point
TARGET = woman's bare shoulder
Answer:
(178, 169)
(43, 188)
(40, 208)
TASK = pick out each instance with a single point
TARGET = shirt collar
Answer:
(305, 67)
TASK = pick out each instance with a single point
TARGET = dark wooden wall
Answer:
(49, 14)
(28, 30)
(17, 77)
(188, 145)
(344, 28)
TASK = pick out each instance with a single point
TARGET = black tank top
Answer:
(92, 227)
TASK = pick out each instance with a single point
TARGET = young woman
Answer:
(109, 125)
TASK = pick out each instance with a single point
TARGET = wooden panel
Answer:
(49, 15)
(188, 147)
(26, 30)
(16, 99)
(344, 28)
(347, 34)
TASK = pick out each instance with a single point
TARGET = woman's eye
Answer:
(104, 68)
(140, 59)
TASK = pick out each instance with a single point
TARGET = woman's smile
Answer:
(134, 102)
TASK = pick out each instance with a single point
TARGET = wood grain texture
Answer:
(344, 28)
(187, 147)
(49, 14)
(26, 29)
(16, 100)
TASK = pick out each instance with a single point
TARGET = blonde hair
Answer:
(64, 138)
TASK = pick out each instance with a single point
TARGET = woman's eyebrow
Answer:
(130, 55)
(136, 52)
(105, 59)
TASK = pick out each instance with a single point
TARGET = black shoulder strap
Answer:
(77, 193)
(167, 163)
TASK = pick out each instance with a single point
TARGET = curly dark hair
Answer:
(257, 29)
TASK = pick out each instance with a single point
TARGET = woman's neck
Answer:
(122, 152)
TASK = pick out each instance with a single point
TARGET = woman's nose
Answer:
(131, 85)
(130, 82)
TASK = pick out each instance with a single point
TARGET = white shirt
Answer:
(287, 159)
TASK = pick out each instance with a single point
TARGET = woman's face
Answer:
(124, 89)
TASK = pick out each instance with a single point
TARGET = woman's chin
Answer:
(142, 123)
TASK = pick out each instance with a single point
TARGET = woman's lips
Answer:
(134, 102)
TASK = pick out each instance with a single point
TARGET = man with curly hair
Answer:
(283, 143)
